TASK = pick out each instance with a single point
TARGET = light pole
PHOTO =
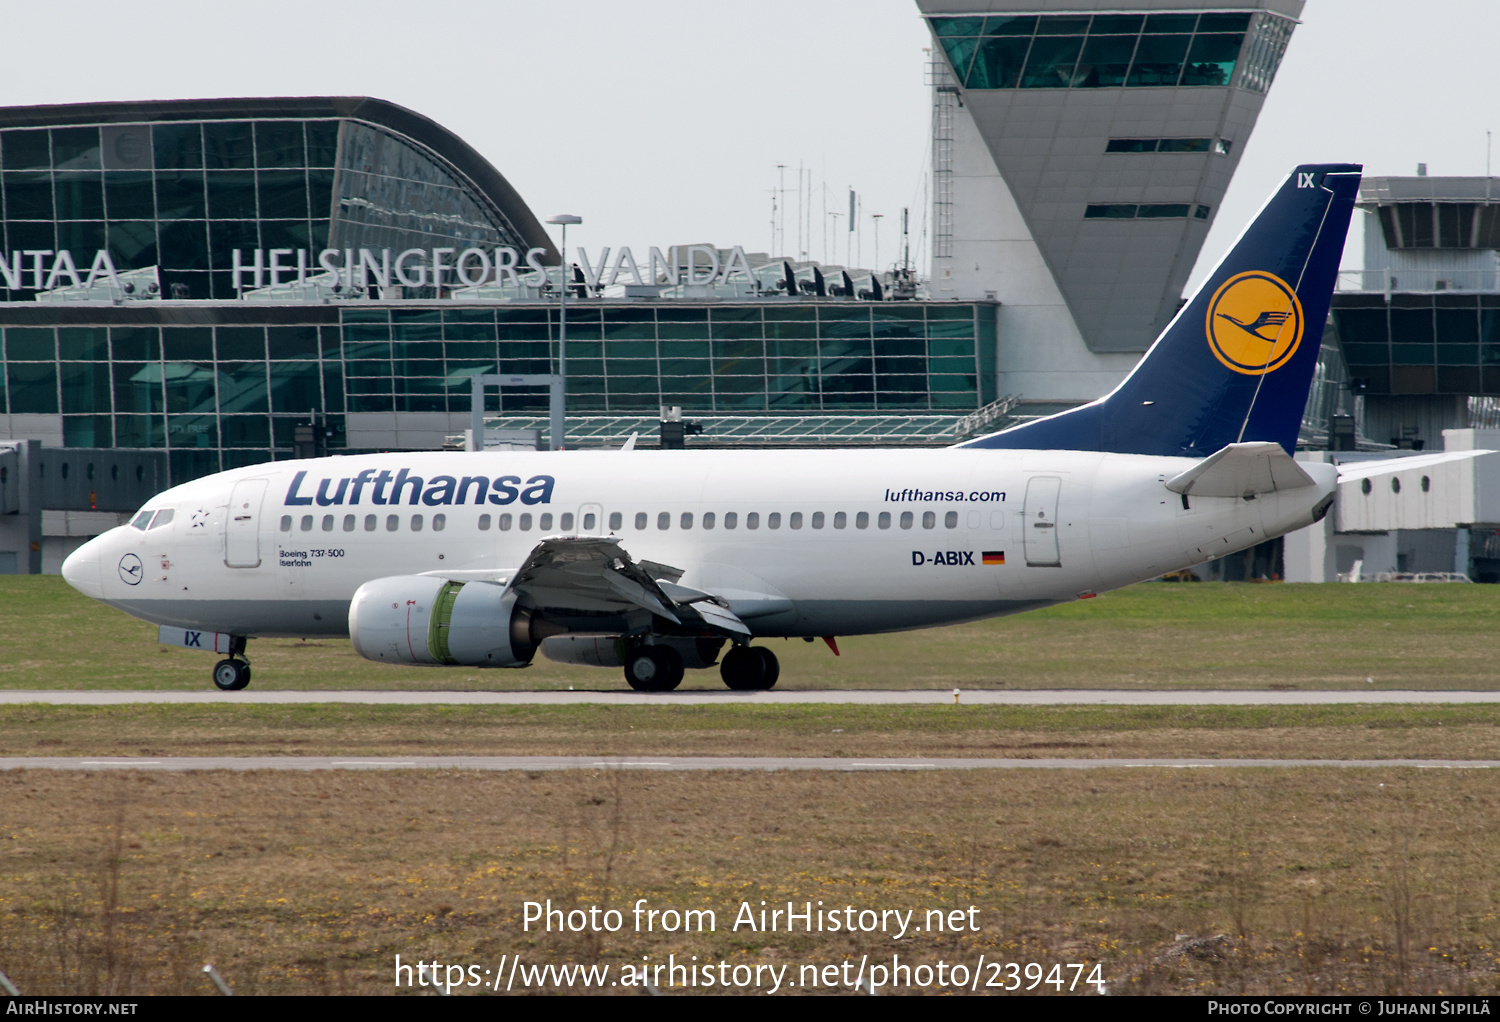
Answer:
(559, 409)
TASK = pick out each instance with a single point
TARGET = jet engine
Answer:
(418, 619)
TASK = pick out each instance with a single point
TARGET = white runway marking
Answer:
(970, 697)
(177, 764)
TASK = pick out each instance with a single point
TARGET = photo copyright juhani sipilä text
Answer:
(871, 972)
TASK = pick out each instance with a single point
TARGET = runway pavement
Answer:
(968, 697)
(176, 764)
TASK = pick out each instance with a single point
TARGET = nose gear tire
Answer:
(231, 675)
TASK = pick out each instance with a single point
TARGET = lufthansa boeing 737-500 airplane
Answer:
(652, 562)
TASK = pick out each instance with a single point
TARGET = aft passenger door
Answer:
(242, 524)
(1040, 522)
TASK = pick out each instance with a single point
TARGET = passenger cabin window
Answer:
(664, 520)
(731, 519)
(687, 519)
(416, 523)
(752, 520)
(795, 521)
(884, 521)
(773, 520)
(589, 521)
(544, 522)
(906, 519)
(307, 523)
(950, 520)
(328, 523)
(525, 523)
(503, 522)
(439, 523)
(484, 523)
(565, 521)
(708, 519)
(640, 519)
(348, 523)
(817, 520)
(392, 523)
(929, 519)
(286, 522)
(369, 523)
(616, 521)
(862, 520)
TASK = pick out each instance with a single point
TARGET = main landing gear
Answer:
(749, 668)
(653, 668)
(233, 674)
(659, 668)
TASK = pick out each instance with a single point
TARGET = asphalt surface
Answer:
(175, 764)
(868, 697)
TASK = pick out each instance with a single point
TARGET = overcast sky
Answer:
(663, 121)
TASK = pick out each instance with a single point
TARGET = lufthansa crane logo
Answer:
(1254, 323)
(131, 570)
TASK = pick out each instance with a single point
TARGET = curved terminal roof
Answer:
(410, 125)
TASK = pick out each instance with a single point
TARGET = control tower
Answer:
(1079, 159)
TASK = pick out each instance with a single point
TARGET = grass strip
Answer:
(1336, 732)
(1210, 635)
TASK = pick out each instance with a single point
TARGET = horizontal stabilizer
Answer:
(1390, 466)
(1242, 470)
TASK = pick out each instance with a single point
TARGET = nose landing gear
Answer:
(233, 674)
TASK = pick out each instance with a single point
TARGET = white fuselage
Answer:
(821, 543)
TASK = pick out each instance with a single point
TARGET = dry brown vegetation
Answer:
(1253, 881)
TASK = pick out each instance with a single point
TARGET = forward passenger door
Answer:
(242, 524)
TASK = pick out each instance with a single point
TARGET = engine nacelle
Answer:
(584, 650)
(420, 619)
(610, 651)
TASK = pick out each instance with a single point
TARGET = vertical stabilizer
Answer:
(1236, 362)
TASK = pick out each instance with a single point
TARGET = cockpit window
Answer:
(163, 517)
(140, 520)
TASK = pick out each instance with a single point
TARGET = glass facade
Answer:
(1422, 225)
(225, 386)
(1421, 343)
(1071, 51)
(1144, 211)
(184, 195)
(221, 383)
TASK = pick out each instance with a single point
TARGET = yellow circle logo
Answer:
(1254, 323)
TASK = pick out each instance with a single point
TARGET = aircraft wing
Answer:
(1242, 470)
(594, 573)
(1387, 466)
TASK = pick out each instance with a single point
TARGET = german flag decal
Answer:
(994, 557)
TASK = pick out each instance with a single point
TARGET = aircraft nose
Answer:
(81, 569)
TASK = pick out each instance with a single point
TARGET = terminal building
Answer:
(1418, 327)
(224, 282)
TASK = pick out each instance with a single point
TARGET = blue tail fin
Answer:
(1236, 362)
